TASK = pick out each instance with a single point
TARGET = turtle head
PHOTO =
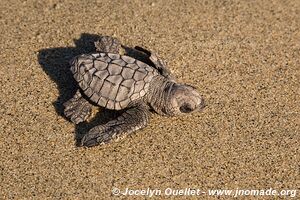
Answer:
(182, 99)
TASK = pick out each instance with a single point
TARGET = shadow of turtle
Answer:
(55, 63)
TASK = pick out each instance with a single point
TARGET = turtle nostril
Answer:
(185, 108)
(202, 104)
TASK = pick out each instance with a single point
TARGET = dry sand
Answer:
(242, 55)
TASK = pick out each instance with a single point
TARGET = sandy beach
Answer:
(243, 56)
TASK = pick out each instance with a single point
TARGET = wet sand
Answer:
(244, 57)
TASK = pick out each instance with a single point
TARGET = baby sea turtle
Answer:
(122, 82)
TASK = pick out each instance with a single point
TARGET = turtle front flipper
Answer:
(159, 64)
(108, 44)
(77, 109)
(132, 119)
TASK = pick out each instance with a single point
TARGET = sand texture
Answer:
(243, 56)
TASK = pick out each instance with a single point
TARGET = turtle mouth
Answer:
(186, 108)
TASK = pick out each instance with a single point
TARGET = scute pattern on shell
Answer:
(111, 80)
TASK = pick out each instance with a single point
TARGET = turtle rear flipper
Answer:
(77, 109)
(131, 120)
(108, 44)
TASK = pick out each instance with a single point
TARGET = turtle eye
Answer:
(186, 108)
(193, 87)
